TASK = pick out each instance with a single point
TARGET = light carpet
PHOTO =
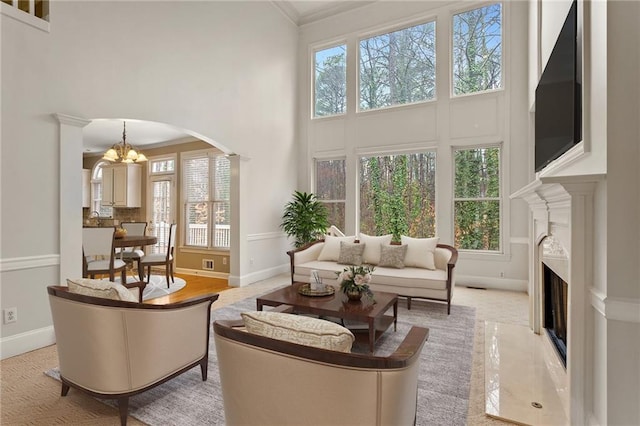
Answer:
(157, 286)
(443, 385)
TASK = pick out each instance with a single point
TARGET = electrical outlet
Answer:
(224, 260)
(501, 274)
(10, 315)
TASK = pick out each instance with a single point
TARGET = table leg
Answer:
(372, 335)
(395, 315)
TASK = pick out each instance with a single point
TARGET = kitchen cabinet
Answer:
(86, 188)
(121, 185)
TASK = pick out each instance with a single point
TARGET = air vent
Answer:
(207, 264)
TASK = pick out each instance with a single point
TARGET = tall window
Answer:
(161, 196)
(330, 79)
(207, 207)
(96, 191)
(398, 194)
(398, 67)
(477, 201)
(477, 50)
(330, 189)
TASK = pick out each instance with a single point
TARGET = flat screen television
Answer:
(558, 107)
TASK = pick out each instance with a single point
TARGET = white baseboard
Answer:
(26, 342)
(492, 283)
(241, 281)
(200, 272)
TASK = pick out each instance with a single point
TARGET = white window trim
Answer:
(99, 164)
(160, 158)
(210, 153)
(312, 66)
(503, 253)
(503, 41)
(386, 30)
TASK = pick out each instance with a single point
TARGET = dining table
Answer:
(134, 241)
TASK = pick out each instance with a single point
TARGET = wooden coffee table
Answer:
(337, 305)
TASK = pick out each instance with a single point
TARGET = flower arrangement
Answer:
(355, 279)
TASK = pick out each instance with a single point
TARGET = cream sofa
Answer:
(410, 282)
(268, 381)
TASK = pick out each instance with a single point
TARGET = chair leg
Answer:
(148, 274)
(166, 274)
(204, 367)
(408, 303)
(123, 407)
(123, 276)
(172, 277)
(140, 271)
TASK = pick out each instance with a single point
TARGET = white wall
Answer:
(496, 117)
(223, 70)
(611, 44)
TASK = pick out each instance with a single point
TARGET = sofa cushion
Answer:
(409, 277)
(420, 251)
(371, 253)
(100, 288)
(331, 247)
(350, 253)
(299, 329)
(392, 256)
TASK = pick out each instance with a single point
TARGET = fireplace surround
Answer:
(562, 236)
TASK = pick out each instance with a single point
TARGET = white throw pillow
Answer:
(371, 253)
(299, 329)
(100, 288)
(420, 252)
(331, 248)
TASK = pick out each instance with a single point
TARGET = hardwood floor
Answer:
(196, 286)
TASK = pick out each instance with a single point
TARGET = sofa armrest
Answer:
(304, 254)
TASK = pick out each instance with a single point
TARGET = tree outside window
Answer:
(397, 195)
(398, 67)
(477, 201)
(330, 189)
(477, 50)
(330, 81)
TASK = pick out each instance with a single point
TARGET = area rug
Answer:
(157, 286)
(443, 385)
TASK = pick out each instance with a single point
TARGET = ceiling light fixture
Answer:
(122, 152)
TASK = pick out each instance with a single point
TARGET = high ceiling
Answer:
(100, 134)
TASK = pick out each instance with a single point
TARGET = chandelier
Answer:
(122, 152)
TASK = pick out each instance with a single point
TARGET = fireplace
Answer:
(554, 315)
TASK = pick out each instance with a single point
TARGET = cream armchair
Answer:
(114, 349)
(272, 382)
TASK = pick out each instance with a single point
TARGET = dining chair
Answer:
(98, 254)
(133, 254)
(159, 259)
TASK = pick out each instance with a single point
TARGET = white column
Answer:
(70, 195)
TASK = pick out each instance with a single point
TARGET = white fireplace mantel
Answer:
(562, 207)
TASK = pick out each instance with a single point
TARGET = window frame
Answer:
(93, 182)
(387, 30)
(501, 185)
(503, 42)
(382, 153)
(312, 66)
(210, 154)
(315, 184)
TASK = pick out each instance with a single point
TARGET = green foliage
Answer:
(477, 202)
(304, 218)
(397, 195)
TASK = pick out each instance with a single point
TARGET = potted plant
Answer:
(305, 218)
